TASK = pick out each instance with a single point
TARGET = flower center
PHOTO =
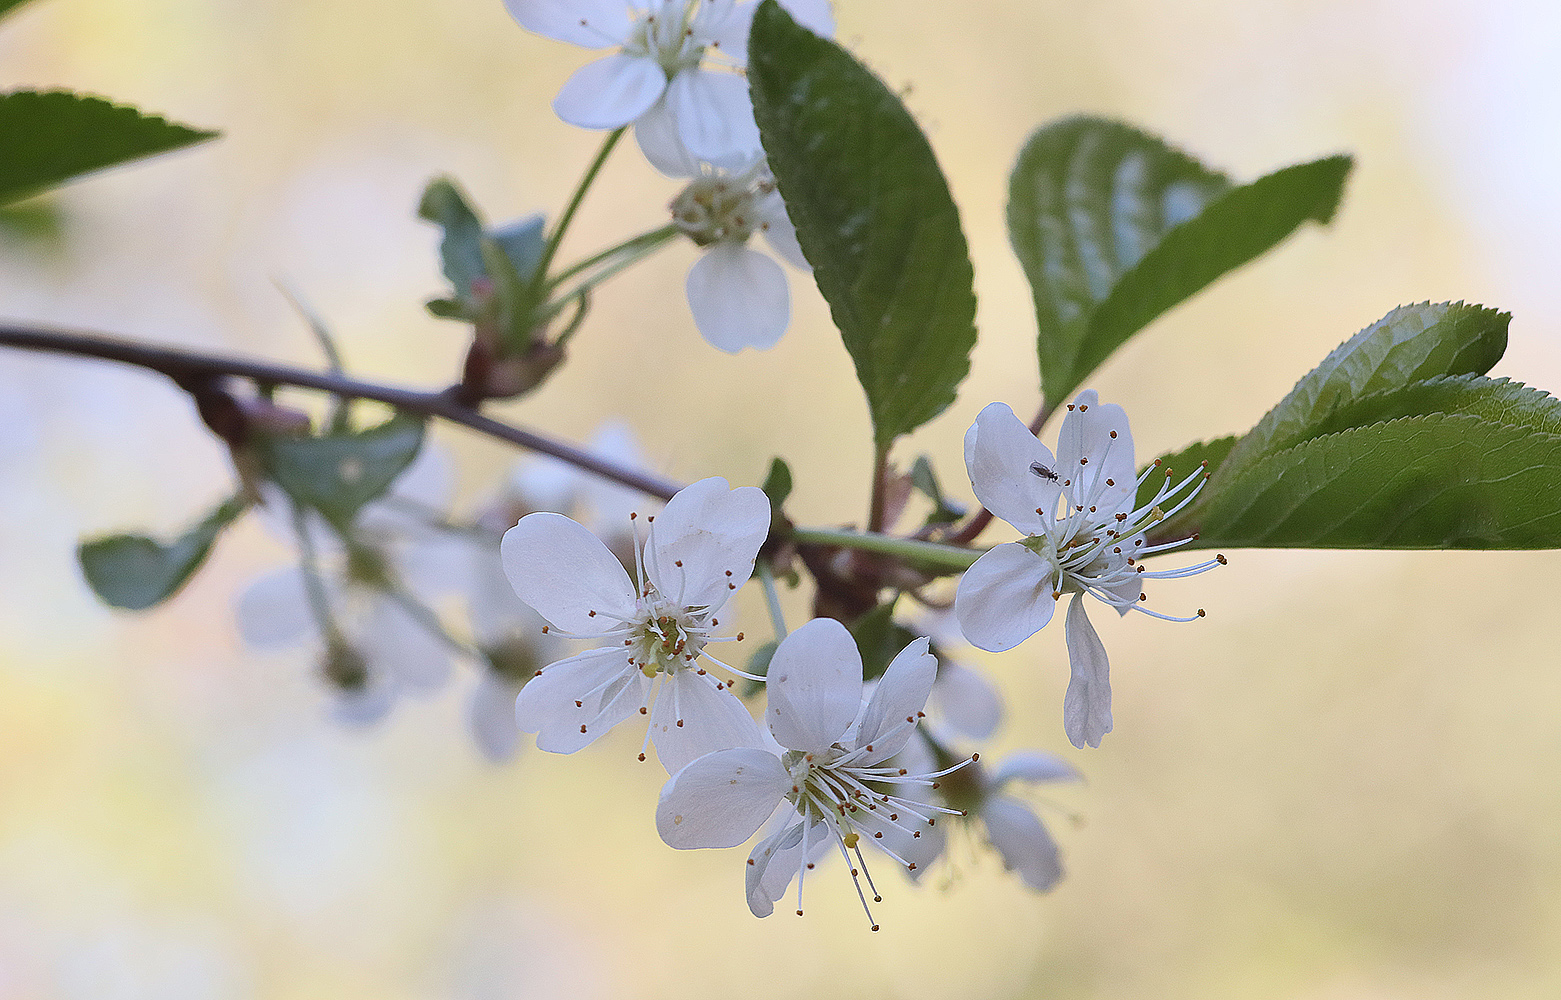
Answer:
(667, 639)
(722, 208)
(667, 35)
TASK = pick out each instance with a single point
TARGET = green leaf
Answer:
(925, 481)
(874, 217)
(759, 666)
(880, 639)
(1485, 479)
(1114, 227)
(135, 572)
(777, 483)
(460, 251)
(490, 271)
(48, 137)
(6, 6)
(336, 474)
(1409, 344)
(1181, 463)
(523, 242)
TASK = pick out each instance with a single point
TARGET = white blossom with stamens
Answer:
(1085, 535)
(739, 295)
(676, 74)
(833, 772)
(654, 629)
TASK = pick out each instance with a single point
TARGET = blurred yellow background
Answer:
(1344, 784)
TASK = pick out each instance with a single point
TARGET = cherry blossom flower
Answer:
(738, 295)
(655, 628)
(676, 74)
(1008, 823)
(1085, 535)
(833, 772)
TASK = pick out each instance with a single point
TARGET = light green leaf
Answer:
(777, 483)
(1114, 227)
(336, 474)
(135, 572)
(1439, 480)
(502, 262)
(874, 217)
(925, 481)
(460, 251)
(48, 137)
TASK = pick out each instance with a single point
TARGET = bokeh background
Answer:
(1344, 784)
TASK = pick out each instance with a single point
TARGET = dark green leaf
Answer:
(1440, 480)
(336, 474)
(777, 483)
(1181, 464)
(925, 481)
(880, 639)
(874, 217)
(135, 572)
(1114, 227)
(48, 137)
(6, 6)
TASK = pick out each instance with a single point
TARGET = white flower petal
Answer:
(496, 612)
(721, 799)
(776, 860)
(1022, 840)
(657, 133)
(714, 116)
(491, 714)
(965, 701)
(739, 298)
(890, 716)
(780, 233)
(565, 573)
(594, 24)
(1086, 708)
(397, 643)
(1086, 434)
(1033, 765)
(999, 454)
(1004, 598)
(814, 686)
(610, 92)
(577, 693)
(711, 720)
(715, 533)
(729, 34)
(273, 611)
(365, 705)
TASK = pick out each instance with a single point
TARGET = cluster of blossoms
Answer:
(839, 765)
(675, 75)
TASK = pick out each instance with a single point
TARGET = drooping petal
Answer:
(776, 860)
(610, 92)
(965, 701)
(566, 573)
(1086, 707)
(1033, 765)
(692, 718)
(814, 686)
(491, 715)
(273, 612)
(1022, 840)
(721, 799)
(657, 133)
(897, 702)
(1000, 453)
(593, 24)
(574, 695)
(702, 545)
(714, 117)
(739, 298)
(1004, 598)
(1098, 466)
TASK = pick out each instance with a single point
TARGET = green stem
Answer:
(425, 616)
(650, 239)
(314, 587)
(771, 598)
(557, 237)
(624, 262)
(948, 556)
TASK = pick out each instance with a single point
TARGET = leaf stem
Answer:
(878, 502)
(771, 598)
(639, 246)
(934, 553)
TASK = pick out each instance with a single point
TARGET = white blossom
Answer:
(654, 629)
(675, 73)
(739, 295)
(1085, 535)
(832, 777)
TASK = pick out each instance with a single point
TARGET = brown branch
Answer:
(192, 368)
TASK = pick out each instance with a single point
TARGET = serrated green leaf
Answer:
(1463, 480)
(1113, 227)
(1496, 399)
(1410, 344)
(874, 217)
(336, 474)
(777, 483)
(1181, 463)
(48, 137)
(135, 572)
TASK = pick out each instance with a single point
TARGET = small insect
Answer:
(1043, 471)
